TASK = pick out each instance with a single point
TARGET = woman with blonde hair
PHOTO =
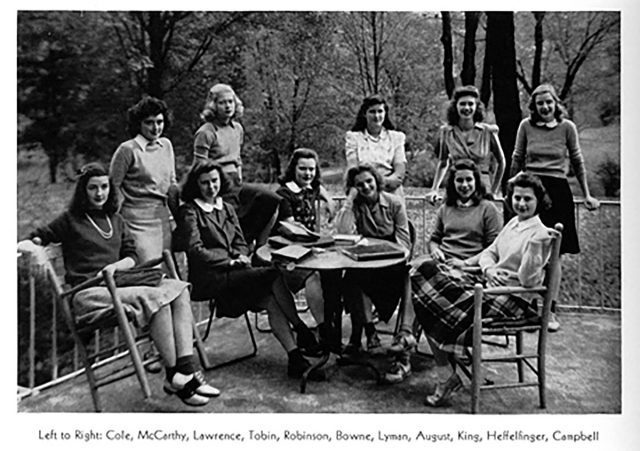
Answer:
(220, 138)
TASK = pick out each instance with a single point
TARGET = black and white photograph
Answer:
(341, 224)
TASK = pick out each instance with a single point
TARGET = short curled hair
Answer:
(148, 106)
(190, 189)
(452, 111)
(290, 172)
(545, 88)
(452, 195)
(354, 171)
(360, 124)
(79, 204)
(209, 111)
(527, 180)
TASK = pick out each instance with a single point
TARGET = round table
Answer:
(331, 257)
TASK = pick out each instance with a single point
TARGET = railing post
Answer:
(32, 324)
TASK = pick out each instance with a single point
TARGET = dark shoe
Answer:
(404, 342)
(297, 367)
(443, 391)
(307, 343)
(186, 388)
(352, 349)
(374, 346)
(399, 371)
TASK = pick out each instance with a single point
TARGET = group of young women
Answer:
(121, 217)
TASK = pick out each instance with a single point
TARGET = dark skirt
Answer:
(237, 291)
(443, 303)
(563, 211)
(383, 286)
(254, 205)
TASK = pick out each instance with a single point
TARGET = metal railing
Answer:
(595, 270)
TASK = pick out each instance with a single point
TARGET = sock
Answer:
(369, 329)
(171, 371)
(185, 364)
(295, 355)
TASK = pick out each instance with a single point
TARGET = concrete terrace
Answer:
(584, 376)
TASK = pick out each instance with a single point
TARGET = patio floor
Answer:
(584, 376)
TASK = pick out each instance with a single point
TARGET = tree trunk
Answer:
(485, 85)
(502, 57)
(447, 44)
(468, 74)
(537, 56)
(156, 33)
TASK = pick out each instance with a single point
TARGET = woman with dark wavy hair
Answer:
(443, 302)
(374, 140)
(219, 266)
(466, 224)
(466, 136)
(144, 177)
(95, 238)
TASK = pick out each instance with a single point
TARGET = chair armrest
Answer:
(513, 290)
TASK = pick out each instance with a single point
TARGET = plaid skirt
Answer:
(443, 303)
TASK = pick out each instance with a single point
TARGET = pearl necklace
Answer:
(103, 234)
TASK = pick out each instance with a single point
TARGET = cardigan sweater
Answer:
(298, 203)
(543, 150)
(522, 249)
(211, 240)
(84, 250)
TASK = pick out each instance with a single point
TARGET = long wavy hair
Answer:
(545, 88)
(148, 106)
(190, 188)
(452, 195)
(452, 111)
(290, 172)
(79, 204)
(209, 111)
(360, 124)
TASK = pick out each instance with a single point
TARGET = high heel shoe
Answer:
(443, 391)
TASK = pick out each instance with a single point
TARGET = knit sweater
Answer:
(543, 150)
(220, 142)
(84, 250)
(465, 232)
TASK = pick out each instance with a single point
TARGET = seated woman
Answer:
(94, 238)
(444, 304)
(372, 212)
(219, 266)
(466, 224)
(300, 191)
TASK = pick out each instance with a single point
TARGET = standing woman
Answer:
(466, 136)
(544, 141)
(374, 140)
(144, 178)
(95, 238)
(220, 139)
